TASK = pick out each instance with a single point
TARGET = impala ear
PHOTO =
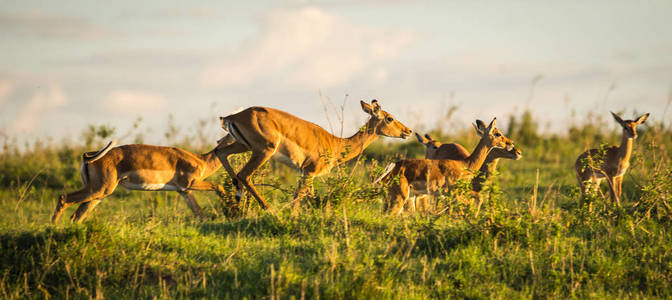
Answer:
(617, 118)
(366, 107)
(375, 105)
(428, 137)
(642, 118)
(492, 124)
(420, 138)
(480, 127)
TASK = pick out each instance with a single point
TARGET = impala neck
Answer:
(353, 146)
(625, 149)
(490, 165)
(477, 158)
(211, 161)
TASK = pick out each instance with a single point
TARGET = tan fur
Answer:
(426, 176)
(142, 167)
(436, 150)
(615, 162)
(269, 132)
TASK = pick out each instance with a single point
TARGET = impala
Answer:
(425, 176)
(594, 165)
(269, 132)
(144, 168)
(436, 150)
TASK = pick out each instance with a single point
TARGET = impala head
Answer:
(428, 141)
(492, 136)
(514, 153)
(630, 126)
(384, 123)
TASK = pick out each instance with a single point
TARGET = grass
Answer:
(526, 242)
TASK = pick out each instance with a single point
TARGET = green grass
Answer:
(148, 244)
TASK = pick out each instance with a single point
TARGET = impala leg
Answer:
(223, 155)
(60, 206)
(408, 207)
(424, 203)
(191, 202)
(230, 207)
(258, 159)
(612, 191)
(208, 186)
(479, 202)
(83, 195)
(397, 196)
(589, 183)
(305, 187)
(410, 204)
(596, 182)
(618, 186)
(84, 210)
(393, 198)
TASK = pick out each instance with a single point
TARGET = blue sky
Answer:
(68, 64)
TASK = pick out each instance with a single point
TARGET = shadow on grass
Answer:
(263, 226)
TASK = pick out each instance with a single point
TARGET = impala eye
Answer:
(497, 134)
(389, 119)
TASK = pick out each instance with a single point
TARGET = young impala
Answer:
(425, 176)
(298, 143)
(594, 166)
(144, 168)
(436, 150)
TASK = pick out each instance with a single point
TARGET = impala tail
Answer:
(233, 131)
(384, 176)
(90, 157)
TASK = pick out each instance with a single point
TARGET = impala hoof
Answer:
(59, 209)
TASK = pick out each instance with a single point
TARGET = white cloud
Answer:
(132, 103)
(307, 48)
(35, 109)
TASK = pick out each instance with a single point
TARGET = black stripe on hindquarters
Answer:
(239, 134)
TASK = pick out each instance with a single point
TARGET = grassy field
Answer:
(534, 236)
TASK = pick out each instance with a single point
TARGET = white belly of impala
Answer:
(149, 186)
(149, 180)
(622, 171)
(284, 159)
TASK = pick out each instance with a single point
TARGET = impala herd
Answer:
(270, 133)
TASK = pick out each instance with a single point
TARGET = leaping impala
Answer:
(436, 150)
(269, 132)
(594, 166)
(144, 168)
(425, 176)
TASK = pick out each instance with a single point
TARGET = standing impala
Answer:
(425, 176)
(594, 166)
(298, 143)
(436, 150)
(144, 168)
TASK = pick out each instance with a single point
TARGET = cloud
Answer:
(42, 102)
(52, 26)
(6, 88)
(133, 103)
(307, 48)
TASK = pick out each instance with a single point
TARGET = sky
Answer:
(69, 64)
